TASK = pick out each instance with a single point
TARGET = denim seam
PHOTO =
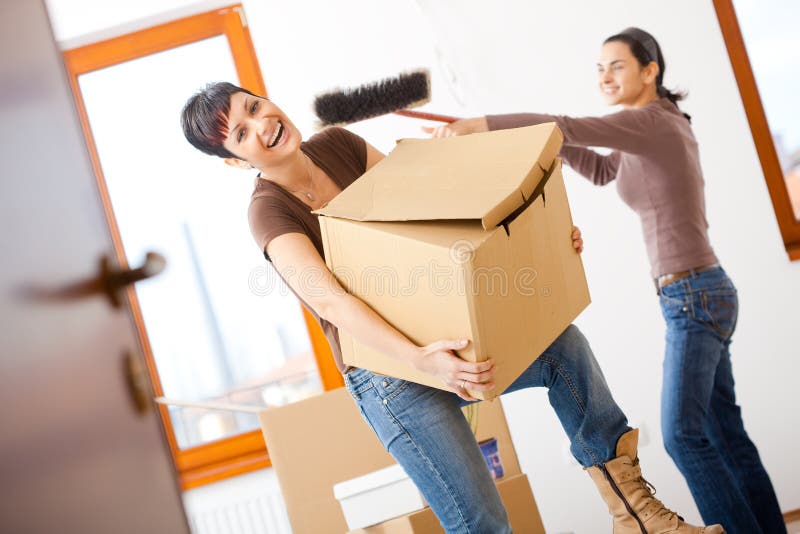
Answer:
(712, 414)
(565, 377)
(588, 451)
(573, 391)
(713, 323)
(349, 387)
(431, 465)
(691, 304)
(680, 395)
(392, 394)
(358, 391)
(725, 443)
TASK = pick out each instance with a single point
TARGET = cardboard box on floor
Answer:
(517, 497)
(318, 442)
(461, 237)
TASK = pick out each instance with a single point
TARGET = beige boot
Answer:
(630, 498)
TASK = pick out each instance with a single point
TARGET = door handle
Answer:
(111, 281)
(114, 281)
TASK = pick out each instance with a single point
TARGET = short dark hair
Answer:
(204, 118)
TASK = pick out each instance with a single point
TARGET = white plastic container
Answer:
(377, 497)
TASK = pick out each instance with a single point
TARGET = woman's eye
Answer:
(240, 136)
(254, 106)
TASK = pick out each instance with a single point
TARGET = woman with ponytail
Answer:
(656, 166)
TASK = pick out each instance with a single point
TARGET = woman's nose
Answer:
(262, 125)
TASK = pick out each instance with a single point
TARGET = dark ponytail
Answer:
(645, 49)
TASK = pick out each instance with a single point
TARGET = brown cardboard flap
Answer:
(483, 176)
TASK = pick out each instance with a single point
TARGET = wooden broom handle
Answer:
(425, 116)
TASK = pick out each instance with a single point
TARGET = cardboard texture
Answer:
(461, 237)
(318, 442)
(523, 514)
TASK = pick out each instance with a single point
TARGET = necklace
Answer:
(308, 194)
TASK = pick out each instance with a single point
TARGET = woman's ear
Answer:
(650, 72)
(238, 163)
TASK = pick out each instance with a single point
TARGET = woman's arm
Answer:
(628, 130)
(599, 169)
(300, 265)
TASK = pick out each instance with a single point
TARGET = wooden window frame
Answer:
(244, 452)
(770, 164)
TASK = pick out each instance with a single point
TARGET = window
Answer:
(218, 325)
(762, 44)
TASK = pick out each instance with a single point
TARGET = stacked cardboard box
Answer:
(319, 442)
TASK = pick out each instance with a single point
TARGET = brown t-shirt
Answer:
(656, 165)
(274, 211)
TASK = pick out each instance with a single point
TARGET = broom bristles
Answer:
(346, 106)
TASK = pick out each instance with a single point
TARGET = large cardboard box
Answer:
(318, 442)
(461, 237)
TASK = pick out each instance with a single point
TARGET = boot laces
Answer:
(663, 511)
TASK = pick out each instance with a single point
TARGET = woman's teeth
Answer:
(276, 136)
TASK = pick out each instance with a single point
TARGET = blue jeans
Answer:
(425, 431)
(701, 423)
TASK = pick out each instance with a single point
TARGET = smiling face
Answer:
(621, 78)
(259, 132)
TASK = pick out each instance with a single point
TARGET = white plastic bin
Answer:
(377, 497)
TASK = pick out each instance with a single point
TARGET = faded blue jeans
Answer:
(701, 423)
(425, 431)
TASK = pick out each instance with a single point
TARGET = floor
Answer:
(793, 527)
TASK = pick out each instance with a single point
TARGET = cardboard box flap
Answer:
(484, 176)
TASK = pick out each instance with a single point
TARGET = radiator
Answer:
(246, 504)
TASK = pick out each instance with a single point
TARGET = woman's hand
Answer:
(439, 360)
(459, 127)
(577, 240)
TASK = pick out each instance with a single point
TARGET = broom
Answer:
(340, 107)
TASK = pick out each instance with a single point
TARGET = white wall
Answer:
(539, 56)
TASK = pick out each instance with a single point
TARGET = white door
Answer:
(77, 455)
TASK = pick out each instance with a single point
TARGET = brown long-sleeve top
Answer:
(656, 166)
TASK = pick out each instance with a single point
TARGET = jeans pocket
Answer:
(389, 386)
(357, 382)
(674, 308)
(719, 309)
